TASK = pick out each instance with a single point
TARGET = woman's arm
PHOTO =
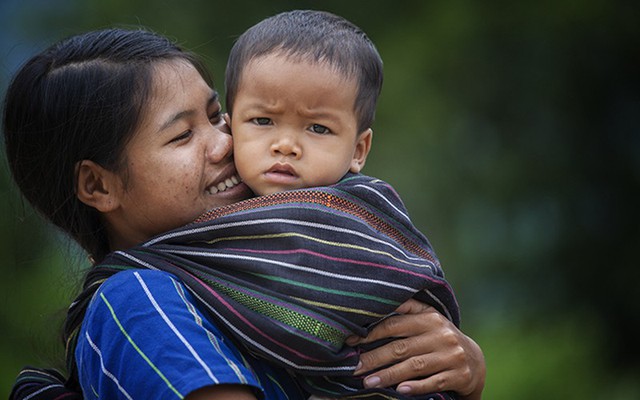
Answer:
(186, 354)
(434, 355)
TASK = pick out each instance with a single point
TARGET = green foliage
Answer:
(558, 360)
(510, 129)
(36, 289)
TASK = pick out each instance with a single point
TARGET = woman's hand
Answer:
(432, 356)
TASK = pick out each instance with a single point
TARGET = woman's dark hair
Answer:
(80, 99)
(315, 36)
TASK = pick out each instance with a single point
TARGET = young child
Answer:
(292, 273)
(302, 88)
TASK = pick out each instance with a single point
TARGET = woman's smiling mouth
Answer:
(224, 185)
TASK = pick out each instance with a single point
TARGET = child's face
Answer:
(294, 125)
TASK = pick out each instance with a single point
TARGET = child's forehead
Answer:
(282, 82)
(305, 61)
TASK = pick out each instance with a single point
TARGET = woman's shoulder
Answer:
(152, 321)
(133, 277)
(133, 293)
(138, 282)
(139, 295)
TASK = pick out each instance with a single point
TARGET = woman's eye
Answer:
(184, 136)
(215, 117)
(262, 121)
(317, 128)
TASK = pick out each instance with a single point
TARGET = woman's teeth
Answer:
(222, 186)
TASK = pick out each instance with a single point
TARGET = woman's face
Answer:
(179, 163)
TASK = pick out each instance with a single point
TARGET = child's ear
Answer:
(96, 186)
(362, 151)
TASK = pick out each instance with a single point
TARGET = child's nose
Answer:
(286, 145)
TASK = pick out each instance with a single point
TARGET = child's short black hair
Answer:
(316, 36)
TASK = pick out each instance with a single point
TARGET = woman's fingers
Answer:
(415, 337)
(410, 368)
(412, 306)
(430, 354)
(399, 326)
(440, 382)
(435, 371)
(396, 351)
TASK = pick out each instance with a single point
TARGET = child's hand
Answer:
(432, 353)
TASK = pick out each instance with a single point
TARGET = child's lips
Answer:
(285, 169)
(281, 173)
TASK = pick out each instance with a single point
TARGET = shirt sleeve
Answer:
(143, 337)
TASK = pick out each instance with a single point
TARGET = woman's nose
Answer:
(219, 144)
(286, 144)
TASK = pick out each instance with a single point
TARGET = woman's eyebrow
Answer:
(215, 97)
(186, 113)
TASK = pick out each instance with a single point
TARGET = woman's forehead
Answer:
(177, 90)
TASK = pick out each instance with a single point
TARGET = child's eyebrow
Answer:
(261, 106)
(320, 114)
(186, 113)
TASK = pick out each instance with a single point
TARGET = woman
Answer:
(131, 135)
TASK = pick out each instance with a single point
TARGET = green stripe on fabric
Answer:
(135, 346)
(326, 290)
(304, 323)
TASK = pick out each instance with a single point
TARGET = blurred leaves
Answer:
(35, 290)
(510, 129)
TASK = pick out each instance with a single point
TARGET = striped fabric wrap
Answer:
(289, 276)
(34, 383)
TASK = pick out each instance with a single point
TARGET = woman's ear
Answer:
(361, 152)
(97, 187)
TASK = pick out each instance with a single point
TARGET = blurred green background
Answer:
(510, 129)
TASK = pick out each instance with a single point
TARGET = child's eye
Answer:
(321, 129)
(184, 136)
(262, 121)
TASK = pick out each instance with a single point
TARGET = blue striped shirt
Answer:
(144, 337)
